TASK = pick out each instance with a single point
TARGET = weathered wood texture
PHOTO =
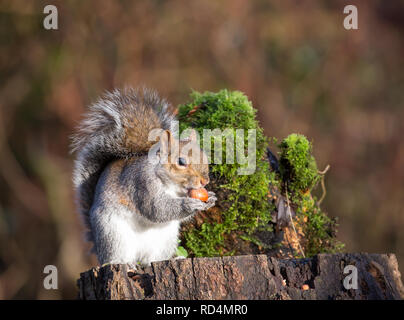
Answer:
(247, 277)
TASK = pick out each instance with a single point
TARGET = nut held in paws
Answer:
(200, 194)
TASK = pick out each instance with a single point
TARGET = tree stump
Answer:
(248, 277)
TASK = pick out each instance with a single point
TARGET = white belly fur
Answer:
(139, 242)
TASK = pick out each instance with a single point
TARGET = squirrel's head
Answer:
(186, 165)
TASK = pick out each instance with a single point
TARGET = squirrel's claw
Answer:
(211, 200)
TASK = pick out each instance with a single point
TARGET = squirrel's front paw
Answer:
(192, 205)
(211, 200)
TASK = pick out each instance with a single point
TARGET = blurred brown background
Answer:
(303, 71)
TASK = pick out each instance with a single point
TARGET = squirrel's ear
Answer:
(165, 142)
(192, 135)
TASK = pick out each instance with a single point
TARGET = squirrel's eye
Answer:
(182, 162)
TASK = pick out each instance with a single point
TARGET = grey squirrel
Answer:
(132, 203)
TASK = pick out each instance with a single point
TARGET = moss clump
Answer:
(296, 164)
(242, 198)
(299, 176)
(243, 206)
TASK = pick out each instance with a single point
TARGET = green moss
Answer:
(319, 230)
(299, 175)
(246, 206)
(243, 200)
(297, 166)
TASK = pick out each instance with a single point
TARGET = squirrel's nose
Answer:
(204, 182)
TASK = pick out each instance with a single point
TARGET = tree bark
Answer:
(248, 277)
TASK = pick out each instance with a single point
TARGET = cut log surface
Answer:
(248, 277)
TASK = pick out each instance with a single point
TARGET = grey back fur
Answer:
(101, 137)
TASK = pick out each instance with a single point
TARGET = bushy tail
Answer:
(116, 126)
